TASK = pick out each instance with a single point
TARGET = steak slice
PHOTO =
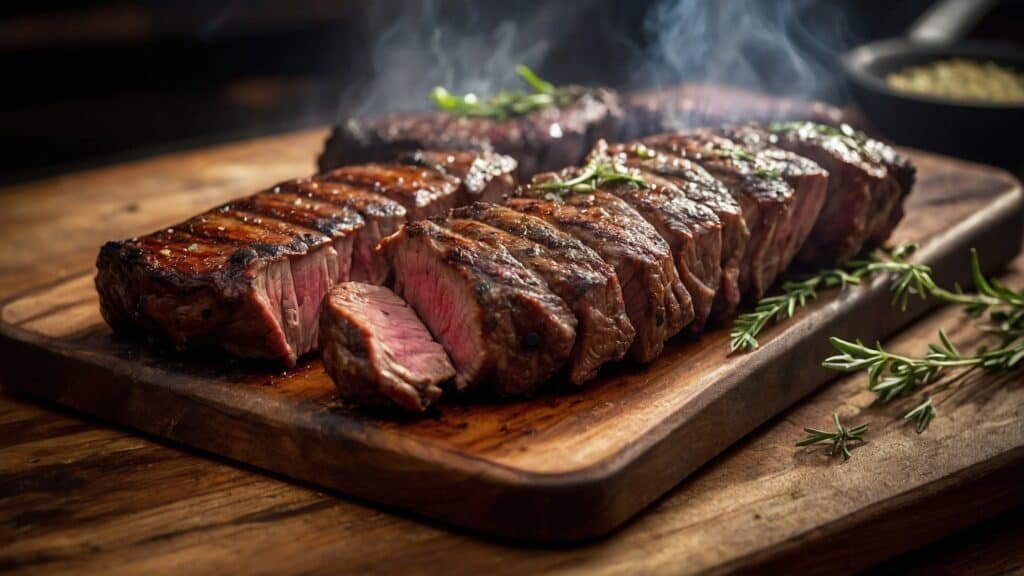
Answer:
(240, 280)
(780, 194)
(382, 217)
(485, 176)
(377, 350)
(546, 139)
(499, 322)
(701, 187)
(868, 181)
(573, 271)
(692, 231)
(424, 192)
(657, 304)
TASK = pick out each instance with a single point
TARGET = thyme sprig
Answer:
(838, 441)
(600, 170)
(506, 103)
(909, 279)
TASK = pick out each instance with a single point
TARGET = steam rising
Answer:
(767, 47)
(468, 47)
(475, 47)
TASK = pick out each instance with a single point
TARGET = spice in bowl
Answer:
(961, 79)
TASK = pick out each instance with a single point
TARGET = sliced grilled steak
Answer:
(485, 176)
(780, 194)
(701, 187)
(377, 350)
(382, 217)
(657, 304)
(692, 231)
(868, 181)
(424, 192)
(571, 270)
(543, 140)
(235, 278)
(499, 322)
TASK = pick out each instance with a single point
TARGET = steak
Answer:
(424, 192)
(485, 176)
(779, 192)
(690, 106)
(377, 350)
(546, 139)
(573, 271)
(247, 277)
(701, 187)
(500, 324)
(382, 217)
(867, 183)
(692, 231)
(657, 304)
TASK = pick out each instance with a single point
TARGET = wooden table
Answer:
(78, 496)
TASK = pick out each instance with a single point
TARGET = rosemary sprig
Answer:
(774, 309)
(506, 103)
(921, 415)
(893, 376)
(910, 279)
(599, 171)
(838, 441)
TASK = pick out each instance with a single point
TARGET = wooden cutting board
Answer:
(559, 467)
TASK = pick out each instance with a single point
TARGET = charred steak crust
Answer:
(381, 216)
(571, 270)
(497, 320)
(777, 215)
(692, 230)
(703, 188)
(543, 140)
(241, 277)
(485, 176)
(657, 304)
(377, 351)
(424, 192)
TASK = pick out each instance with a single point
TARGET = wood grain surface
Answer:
(75, 496)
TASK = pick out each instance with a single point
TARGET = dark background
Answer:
(88, 83)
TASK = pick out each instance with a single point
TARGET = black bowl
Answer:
(982, 131)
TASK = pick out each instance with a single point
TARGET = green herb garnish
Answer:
(506, 103)
(838, 441)
(599, 171)
(910, 279)
(892, 376)
(644, 152)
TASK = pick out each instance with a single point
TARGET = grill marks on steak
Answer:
(485, 176)
(692, 231)
(546, 139)
(657, 304)
(498, 320)
(571, 270)
(241, 280)
(381, 216)
(777, 215)
(424, 192)
(377, 350)
(700, 187)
